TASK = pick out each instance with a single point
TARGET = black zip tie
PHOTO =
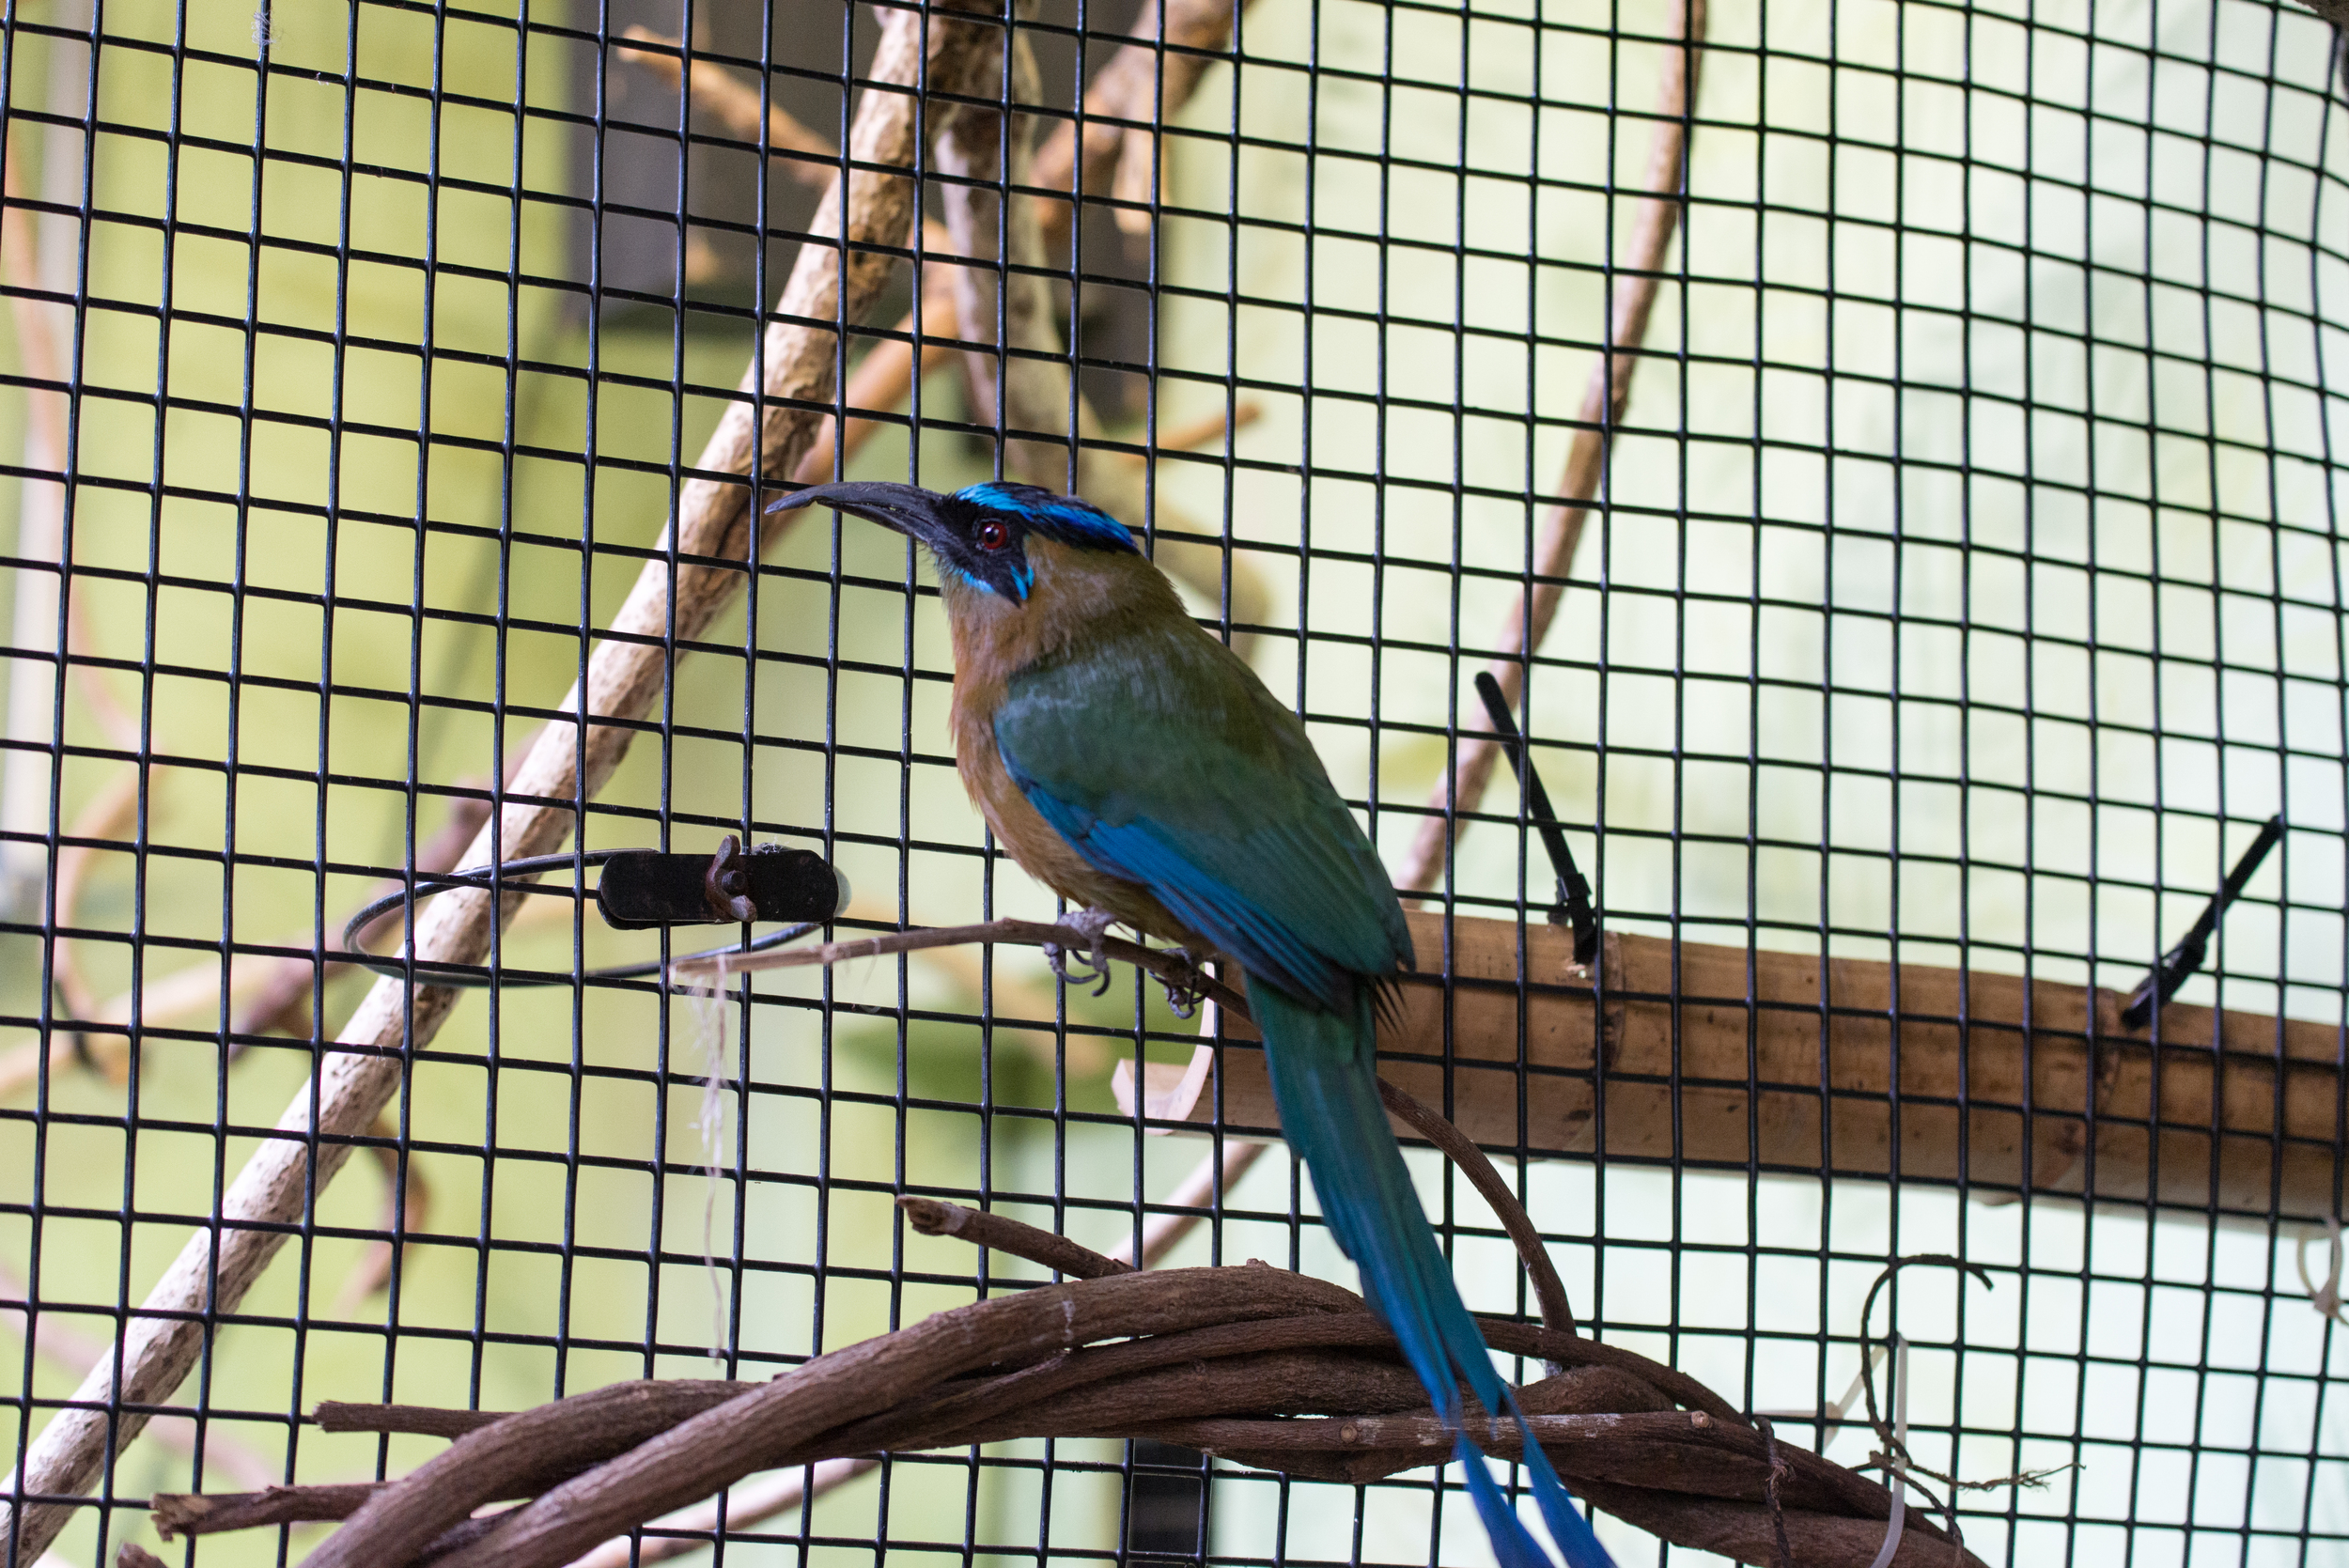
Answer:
(1573, 907)
(2175, 966)
(639, 888)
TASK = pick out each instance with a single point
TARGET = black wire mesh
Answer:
(1965, 588)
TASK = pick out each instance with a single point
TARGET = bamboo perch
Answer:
(1833, 1067)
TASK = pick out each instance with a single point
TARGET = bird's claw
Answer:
(1095, 926)
(1184, 991)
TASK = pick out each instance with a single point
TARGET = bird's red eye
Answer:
(993, 534)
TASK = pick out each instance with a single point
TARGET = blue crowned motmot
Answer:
(1138, 767)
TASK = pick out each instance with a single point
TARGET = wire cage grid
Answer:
(483, 302)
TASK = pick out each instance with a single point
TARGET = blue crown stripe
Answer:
(1067, 518)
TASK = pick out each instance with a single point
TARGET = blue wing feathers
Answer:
(1222, 914)
(1162, 760)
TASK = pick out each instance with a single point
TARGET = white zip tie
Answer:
(1831, 1418)
(1898, 1456)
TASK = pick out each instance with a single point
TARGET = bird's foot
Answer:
(1185, 988)
(1094, 925)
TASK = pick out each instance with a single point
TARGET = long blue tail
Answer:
(1325, 1081)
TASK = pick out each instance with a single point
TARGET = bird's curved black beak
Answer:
(909, 509)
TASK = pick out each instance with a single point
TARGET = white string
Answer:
(1897, 1457)
(709, 1009)
(2326, 1297)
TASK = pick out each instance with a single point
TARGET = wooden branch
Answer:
(1020, 379)
(769, 1425)
(1006, 1234)
(109, 814)
(1015, 371)
(735, 104)
(1462, 788)
(513, 1458)
(884, 378)
(1247, 1361)
(53, 1337)
(210, 1512)
(334, 1414)
(765, 433)
(1230, 1349)
(283, 1001)
(1839, 1065)
(41, 530)
(1140, 82)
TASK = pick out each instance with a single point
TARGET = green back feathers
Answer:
(1162, 760)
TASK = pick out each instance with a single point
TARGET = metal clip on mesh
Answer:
(640, 888)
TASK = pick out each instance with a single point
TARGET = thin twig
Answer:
(1138, 83)
(407, 1206)
(1190, 1199)
(1548, 1290)
(424, 1421)
(45, 362)
(1199, 432)
(1896, 1448)
(735, 104)
(1006, 1234)
(109, 816)
(1461, 790)
(214, 1513)
(1019, 1005)
(767, 431)
(168, 999)
(1167, 965)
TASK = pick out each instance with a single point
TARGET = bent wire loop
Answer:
(640, 890)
